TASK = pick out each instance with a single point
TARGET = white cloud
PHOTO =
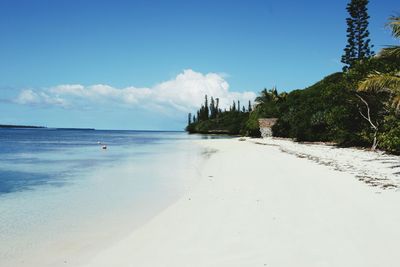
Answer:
(30, 97)
(27, 97)
(184, 93)
(73, 89)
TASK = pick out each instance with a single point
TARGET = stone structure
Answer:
(266, 126)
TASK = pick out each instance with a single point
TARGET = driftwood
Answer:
(367, 117)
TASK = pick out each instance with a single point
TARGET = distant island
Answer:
(42, 127)
(19, 126)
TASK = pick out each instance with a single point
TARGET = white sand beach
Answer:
(256, 205)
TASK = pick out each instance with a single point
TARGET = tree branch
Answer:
(368, 117)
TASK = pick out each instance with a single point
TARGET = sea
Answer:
(63, 198)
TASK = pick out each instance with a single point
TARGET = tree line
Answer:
(359, 106)
(212, 110)
(210, 118)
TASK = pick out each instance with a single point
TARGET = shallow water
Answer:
(62, 197)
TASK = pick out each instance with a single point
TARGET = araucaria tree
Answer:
(358, 43)
(189, 118)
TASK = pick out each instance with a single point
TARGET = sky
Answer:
(116, 64)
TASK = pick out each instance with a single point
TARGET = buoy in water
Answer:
(104, 147)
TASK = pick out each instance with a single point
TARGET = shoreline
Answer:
(258, 206)
(375, 168)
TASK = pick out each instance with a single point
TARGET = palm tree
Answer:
(384, 82)
(267, 103)
(283, 96)
(393, 51)
(387, 82)
(267, 96)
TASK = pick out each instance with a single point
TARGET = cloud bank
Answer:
(183, 93)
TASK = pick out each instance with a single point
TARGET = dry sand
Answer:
(258, 206)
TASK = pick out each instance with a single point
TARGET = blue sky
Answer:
(144, 64)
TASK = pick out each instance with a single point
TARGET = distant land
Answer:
(19, 126)
(42, 127)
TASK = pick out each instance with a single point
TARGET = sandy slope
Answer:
(258, 206)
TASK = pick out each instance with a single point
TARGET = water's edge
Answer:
(53, 225)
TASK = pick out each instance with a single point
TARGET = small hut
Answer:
(266, 126)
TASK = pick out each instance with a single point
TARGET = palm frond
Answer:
(380, 82)
(394, 24)
(396, 102)
(390, 52)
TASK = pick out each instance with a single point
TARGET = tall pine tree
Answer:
(189, 118)
(249, 107)
(358, 44)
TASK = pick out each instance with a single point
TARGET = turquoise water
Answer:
(63, 197)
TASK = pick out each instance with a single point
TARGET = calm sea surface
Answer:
(63, 197)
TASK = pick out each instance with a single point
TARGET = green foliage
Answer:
(251, 127)
(230, 122)
(326, 111)
(267, 104)
(390, 138)
(362, 70)
(218, 121)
